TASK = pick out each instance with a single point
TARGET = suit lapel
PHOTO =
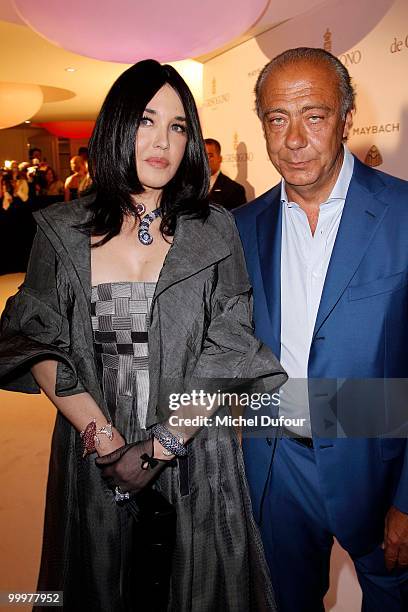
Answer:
(363, 213)
(269, 235)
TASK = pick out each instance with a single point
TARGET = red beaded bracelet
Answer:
(89, 436)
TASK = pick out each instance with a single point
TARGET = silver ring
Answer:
(119, 496)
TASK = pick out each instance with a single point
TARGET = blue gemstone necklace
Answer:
(145, 222)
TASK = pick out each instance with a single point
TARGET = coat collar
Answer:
(61, 224)
(197, 244)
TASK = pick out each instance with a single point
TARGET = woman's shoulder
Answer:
(219, 215)
(68, 213)
(221, 219)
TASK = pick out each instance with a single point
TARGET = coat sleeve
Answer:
(35, 325)
(230, 349)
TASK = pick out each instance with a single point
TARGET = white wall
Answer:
(362, 33)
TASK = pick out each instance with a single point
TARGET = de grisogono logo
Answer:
(327, 40)
(351, 58)
(216, 99)
(399, 44)
(240, 153)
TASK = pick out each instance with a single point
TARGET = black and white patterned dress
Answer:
(120, 321)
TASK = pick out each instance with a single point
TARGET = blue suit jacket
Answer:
(361, 331)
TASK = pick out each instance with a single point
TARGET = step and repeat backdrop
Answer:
(370, 37)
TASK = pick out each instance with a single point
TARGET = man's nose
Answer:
(296, 134)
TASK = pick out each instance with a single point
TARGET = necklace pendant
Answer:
(140, 208)
(143, 231)
(144, 237)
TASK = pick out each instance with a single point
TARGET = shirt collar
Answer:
(213, 178)
(339, 191)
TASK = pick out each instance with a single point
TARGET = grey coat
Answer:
(200, 327)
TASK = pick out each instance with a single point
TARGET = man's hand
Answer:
(396, 539)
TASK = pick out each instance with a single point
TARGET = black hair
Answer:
(112, 159)
(54, 174)
(32, 151)
(313, 55)
(214, 143)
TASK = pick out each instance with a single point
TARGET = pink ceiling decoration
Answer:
(130, 30)
(69, 129)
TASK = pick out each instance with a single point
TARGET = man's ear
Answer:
(347, 124)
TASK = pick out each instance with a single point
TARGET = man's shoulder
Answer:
(227, 183)
(224, 178)
(255, 207)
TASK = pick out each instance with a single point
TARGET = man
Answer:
(83, 152)
(327, 253)
(35, 154)
(223, 190)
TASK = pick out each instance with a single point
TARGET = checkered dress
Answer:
(120, 321)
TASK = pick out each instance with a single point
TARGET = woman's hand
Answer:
(107, 446)
(131, 467)
(159, 451)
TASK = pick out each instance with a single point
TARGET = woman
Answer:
(52, 185)
(73, 181)
(86, 182)
(146, 243)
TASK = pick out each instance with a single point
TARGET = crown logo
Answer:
(373, 157)
(235, 141)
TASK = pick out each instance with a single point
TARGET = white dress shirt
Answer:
(213, 178)
(304, 262)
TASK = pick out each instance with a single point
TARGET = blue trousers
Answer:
(298, 539)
